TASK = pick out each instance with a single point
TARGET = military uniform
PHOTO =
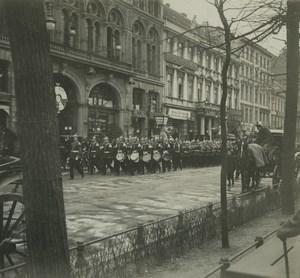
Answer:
(106, 151)
(157, 150)
(74, 158)
(135, 165)
(176, 156)
(120, 150)
(147, 150)
(167, 151)
(94, 156)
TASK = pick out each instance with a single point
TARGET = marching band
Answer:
(137, 156)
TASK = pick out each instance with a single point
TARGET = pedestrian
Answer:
(75, 157)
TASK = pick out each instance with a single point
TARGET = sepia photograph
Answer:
(149, 139)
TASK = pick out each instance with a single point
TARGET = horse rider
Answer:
(94, 156)
(106, 151)
(75, 157)
(266, 140)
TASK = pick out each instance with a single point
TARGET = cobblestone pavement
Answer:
(97, 205)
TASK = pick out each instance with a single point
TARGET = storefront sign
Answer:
(179, 114)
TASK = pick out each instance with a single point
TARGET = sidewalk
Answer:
(200, 261)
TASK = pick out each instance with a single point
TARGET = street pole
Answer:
(288, 165)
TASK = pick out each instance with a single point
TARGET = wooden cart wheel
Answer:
(12, 230)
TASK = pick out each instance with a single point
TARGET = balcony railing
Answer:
(180, 102)
(67, 51)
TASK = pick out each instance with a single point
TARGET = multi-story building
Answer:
(193, 79)
(106, 65)
(256, 85)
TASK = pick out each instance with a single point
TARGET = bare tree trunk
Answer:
(225, 239)
(38, 130)
(288, 164)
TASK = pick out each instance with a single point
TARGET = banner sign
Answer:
(179, 114)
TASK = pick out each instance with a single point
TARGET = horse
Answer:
(232, 159)
(249, 171)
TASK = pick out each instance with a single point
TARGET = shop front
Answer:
(234, 118)
(180, 123)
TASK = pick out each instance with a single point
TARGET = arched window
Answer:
(116, 22)
(138, 33)
(97, 37)
(156, 11)
(153, 53)
(90, 42)
(66, 27)
(74, 30)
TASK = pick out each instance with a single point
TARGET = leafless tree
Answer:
(251, 22)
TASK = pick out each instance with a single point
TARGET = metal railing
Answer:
(149, 244)
(225, 263)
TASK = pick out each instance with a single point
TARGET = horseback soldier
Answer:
(106, 152)
(75, 157)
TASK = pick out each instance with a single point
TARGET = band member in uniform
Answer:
(135, 155)
(119, 155)
(107, 156)
(147, 151)
(177, 155)
(186, 154)
(166, 156)
(94, 156)
(156, 156)
(74, 158)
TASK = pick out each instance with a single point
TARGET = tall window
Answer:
(208, 86)
(216, 94)
(169, 84)
(153, 58)
(235, 100)
(116, 22)
(97, 37)
(180, 49)
(180, 87)
(90, 39)
(138, 34)
(137, 98)
(190, 88)
(199, 92)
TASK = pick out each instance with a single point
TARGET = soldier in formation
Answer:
(139, 156)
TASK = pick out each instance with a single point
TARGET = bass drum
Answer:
(135, 156)
(156, 156)
(146, 157)
(166, 156)
(120, 156)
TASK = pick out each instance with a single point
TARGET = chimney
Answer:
(168, 5)
(184, 14)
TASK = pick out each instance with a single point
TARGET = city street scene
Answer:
(149, 138)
